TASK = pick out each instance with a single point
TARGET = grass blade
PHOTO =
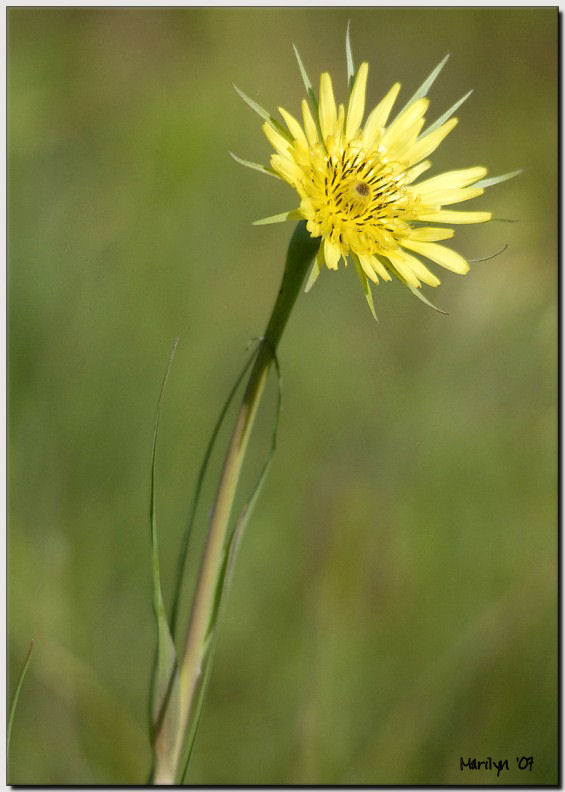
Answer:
(17, 692)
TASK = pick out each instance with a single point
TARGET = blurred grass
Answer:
(394, 605)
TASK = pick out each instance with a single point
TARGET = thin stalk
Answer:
(301, 251)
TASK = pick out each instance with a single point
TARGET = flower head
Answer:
(358, 182)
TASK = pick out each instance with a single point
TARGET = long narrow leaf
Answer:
(164, 701)
(17, 692)
(183, 554)
(224, 579)
(250, 505)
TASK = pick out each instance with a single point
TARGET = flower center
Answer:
(362, 189)
(358, 199)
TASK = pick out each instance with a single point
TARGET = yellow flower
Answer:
(358, 183)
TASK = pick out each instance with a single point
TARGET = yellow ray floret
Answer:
(358, 187)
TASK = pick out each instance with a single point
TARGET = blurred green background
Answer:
(394, 604)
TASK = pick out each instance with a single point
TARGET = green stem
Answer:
(301, 251)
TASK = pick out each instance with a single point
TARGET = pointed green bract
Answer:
(349, 59)
(426, 85)
(263, 113)
(17, 692)
(294, 214)
(488, 258)
(312, 98)
(446, 116)
(307, 84)
(417, 293)
(254, 166)
(366, 286)
(313, 276)
(497, 179)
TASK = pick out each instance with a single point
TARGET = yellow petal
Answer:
(276, 139)
(378, 117)
(402, 143)
(294, 127)
(367, 265)
(417, 170)
(455, 217)
(286, 168)
(334, 143)
(356, 106)
(441, 255)
(381, 269)
(403, 269)
(446, 197)
(407, 119)
(429, 234)
(340, 119)
(309, 124)
(430, 142)
(420, 270)
(327, 110)
(332, 254)
(451, 180)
